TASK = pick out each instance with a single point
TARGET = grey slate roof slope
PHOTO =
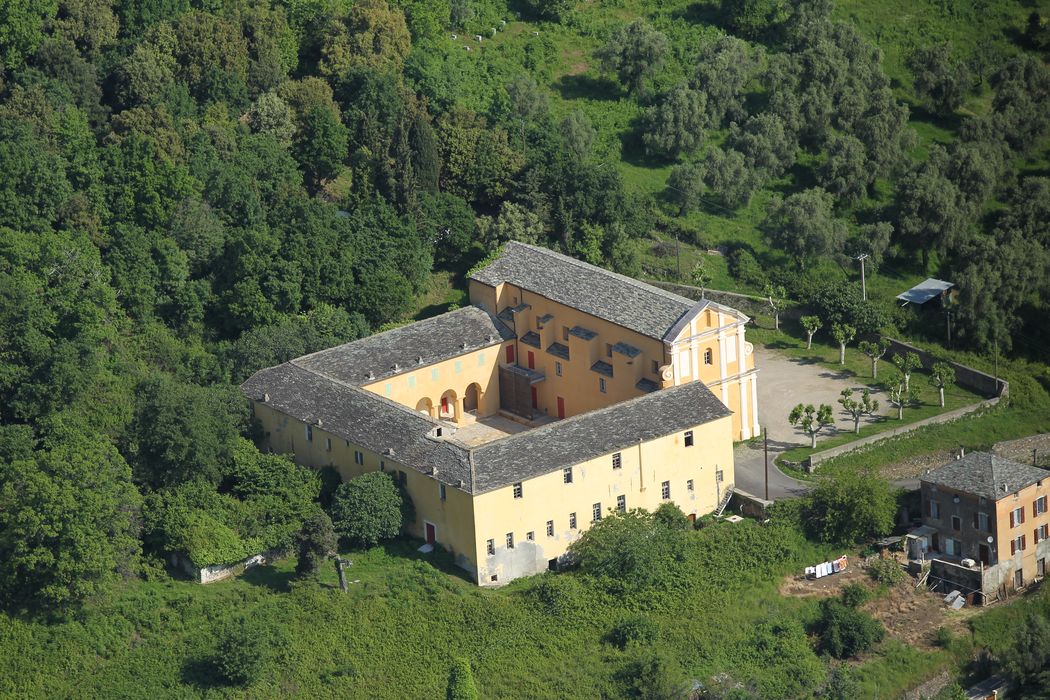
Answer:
(434, 340)
(589, 435)
(607, 295)
(361, 417)
(985, 474)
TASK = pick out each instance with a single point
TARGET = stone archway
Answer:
(449, 407)
(425, 405)
(472, 398)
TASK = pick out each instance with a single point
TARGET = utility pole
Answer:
(765, 447)
(863, 283)
(339, 564)
(678, 256)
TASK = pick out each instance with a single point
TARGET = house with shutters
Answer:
(563, 392)
(985, 524)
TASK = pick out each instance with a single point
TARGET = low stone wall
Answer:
(749, 505)
(211, 574)
(747, 303)
(968, 377)
(811, 462)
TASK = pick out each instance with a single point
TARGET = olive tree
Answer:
(899, 394)
(634, 54)
(774, 294)
(907, 363)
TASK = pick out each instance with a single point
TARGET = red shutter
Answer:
(532, 360)
(1035, 535)
(1013, 518)
(1022, 514)
(1013, 547)
(1024, 544)
(510, 354)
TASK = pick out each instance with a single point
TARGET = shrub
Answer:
(652, 676)
(887, 572)
(944, 637)
(854, 595)
(367, 510)
(850, 506)
(316, 542)
(245, 647)
(745, 268)
(461, 684)
(633, 630)
(846, 631)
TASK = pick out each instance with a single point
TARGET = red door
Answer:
(535, 398)
(561, 407)
(510, 354)
(431, 533)
(444, 406)
(532, 360)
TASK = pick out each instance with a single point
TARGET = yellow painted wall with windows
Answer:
(644, 468)
(431, 382)
(453, 516)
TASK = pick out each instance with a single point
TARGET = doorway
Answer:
(470, 400)
(430, 530)
(984, 553)
(561, 408)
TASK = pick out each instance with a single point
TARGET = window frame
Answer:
(689, 485)
(689, 438)
(550, 528)
(665, 490)
(509, 540)
(490, 547)
(621, 503)
(596, 512)
(602, 386)
(517, 490)
(572, 521)
(617, 460)
(566, 475)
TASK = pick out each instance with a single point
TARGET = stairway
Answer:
(724, 502)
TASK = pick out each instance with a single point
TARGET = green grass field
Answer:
(407, 615)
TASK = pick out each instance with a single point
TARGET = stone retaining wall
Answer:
(219, 572)
(968, 377)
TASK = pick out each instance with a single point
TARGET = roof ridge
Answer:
(586, 265)
(531, 432)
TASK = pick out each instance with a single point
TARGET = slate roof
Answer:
(531, 338)
(626, 349)
(621, 300)
(647, 385)
(581, 332)
(589, 435)
(984, 474)
(418, 344)
(559, 350)
(364, 418)
(602, 368)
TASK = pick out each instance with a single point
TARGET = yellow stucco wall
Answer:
(452, 517)
(451, 378)
(712, 333)
(644, 468)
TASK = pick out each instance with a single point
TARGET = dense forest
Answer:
(192, 190)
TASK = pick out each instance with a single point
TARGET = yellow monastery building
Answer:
(565, 391)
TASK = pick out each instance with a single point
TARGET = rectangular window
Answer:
(566, 475)
(481, 359)
(689, 485)
(596, 512)
(411, 381)
(1017, 545)
(572, 521)
(388, 389)
(435, 374)
(490, 547)
(328, 444)
(956, 523)
(617, 460)
(510, 540)
(510, 354)
(441, 491)
(665, 489)
(689, 438)
(608, 350)
(982, 522)
(550, 528)
(1039, 506)
(709, 358)
(565, 333)
(601, 385)
(402, 478)
(530, 536)
(517, 490)
(1016, 517)
(718, 475)
(459, 366)
(621, 503)
(1040, 533)
(557, 368)
(348, 443)
(309, 433)
(1040, 568)
(359, 457)
(656, 367)
(935, 510)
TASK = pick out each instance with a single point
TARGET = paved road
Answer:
(750, 474)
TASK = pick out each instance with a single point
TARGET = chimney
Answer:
(419, 359)
(266, 398)
(397, 367)
(319, 423)
(371, 375)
